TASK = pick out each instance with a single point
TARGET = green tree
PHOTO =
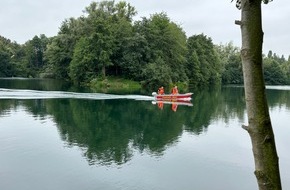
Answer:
(12, 56)
(232, 73)
(60, 50)
(286, 69)
(99, 26)
(231, 64)
(165, 40)
(5, 66)
(156, 74)
(273, 72)
(193, 68)
(135, 57)
(270, 54)
(108, 25)
(202, 60)
(123, 35)
(81, 67)
(34, 50)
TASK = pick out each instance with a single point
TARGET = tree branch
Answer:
(245, 127)
(238, 22)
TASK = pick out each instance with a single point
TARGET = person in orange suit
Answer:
(160, 105)
(174, 90)
(161, 90)
(174, 107)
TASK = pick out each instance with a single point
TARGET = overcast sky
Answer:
(21, 20)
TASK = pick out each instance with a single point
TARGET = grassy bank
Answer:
(114, 85)
(123, 86)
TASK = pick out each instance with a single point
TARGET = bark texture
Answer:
(260, 127)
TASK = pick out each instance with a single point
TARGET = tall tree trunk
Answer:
(260, 127)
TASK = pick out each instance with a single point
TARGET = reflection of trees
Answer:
(225, 103)
(109, 131)
(7, 105)
(278, 98)
(34, 84)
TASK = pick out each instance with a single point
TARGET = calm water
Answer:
(67, 140)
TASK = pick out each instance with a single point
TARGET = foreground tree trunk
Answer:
(260, 127)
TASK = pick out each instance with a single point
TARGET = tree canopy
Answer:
(154, 51)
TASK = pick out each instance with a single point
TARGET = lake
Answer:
(54, 136)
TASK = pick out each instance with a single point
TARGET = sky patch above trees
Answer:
(22, 20)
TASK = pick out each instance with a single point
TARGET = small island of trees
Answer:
(107, 43)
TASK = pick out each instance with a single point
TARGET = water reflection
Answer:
(174, 104)
(34, 84)
(110, 131)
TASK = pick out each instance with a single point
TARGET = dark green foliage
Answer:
(5, 67)
(58, 56)
(232, 64)
(107, 28)
(193, 68)
(59, 52)
(11, 59)
(156, 74)
(276, 68)
(81, 67)
(154, 51)
(203, 62)
(233, 73)
(165, 41)
(34, 52)
(273, 72)
(123, 37)
(135, 56)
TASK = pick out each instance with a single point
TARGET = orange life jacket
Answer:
(160, 105)
(174, 91)
(161, 91)
(174, 107)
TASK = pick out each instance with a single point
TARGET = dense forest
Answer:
(107, 42)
